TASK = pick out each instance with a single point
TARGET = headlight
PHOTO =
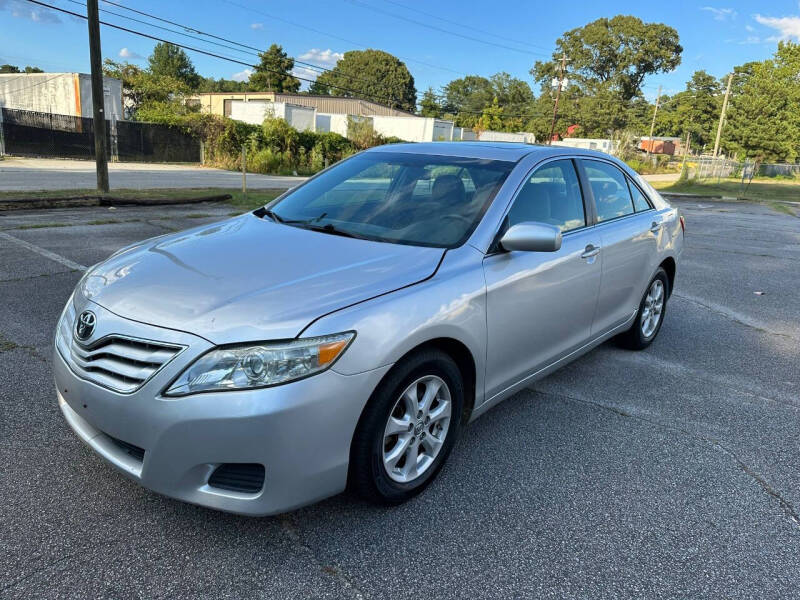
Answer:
(260, 365)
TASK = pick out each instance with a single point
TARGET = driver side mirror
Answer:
(532, 237)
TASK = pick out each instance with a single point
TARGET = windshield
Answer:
(396, 197)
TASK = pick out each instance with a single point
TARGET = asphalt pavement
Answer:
(34, 174)
(667, 473)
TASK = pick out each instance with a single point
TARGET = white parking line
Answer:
(46, 253)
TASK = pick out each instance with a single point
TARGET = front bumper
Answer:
(300, 432)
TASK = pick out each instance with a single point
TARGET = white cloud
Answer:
(256, 26)
(720, 14)
(749, 28)
(242, 75)
(325, 58)
(787, 27)
(128, 53)
(23, 10)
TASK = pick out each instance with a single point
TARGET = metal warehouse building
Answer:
(58, 93)
(221, 103)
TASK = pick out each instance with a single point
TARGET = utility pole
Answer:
(653, 123)
(558, 95)
(722, 115)
(98, 100)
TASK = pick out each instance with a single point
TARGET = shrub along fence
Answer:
(28, 133)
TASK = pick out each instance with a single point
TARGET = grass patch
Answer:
(782, 208)
(759, 190)
(254, 200)
(197, 216)
(105, 222)
(44, 225)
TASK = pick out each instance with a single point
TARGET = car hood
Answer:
(250, 279)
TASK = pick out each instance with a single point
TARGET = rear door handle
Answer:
(590, 251)
(655, 226)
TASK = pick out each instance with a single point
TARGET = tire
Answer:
(640, 335)
(369, 475)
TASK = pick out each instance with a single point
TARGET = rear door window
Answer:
(610, 189)
(640, 203)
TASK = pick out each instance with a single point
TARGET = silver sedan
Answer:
(346, 333)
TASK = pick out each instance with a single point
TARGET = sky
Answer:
(439, 41)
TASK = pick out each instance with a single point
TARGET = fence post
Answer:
(244, 173)
(202, 152)
(2, 135)
(114, 144)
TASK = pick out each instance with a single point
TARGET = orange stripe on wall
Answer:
(76, 82)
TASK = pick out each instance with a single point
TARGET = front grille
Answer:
(129, 449)
(238, 477)
(120, 363)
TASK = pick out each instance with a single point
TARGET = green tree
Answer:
(617, 53)
(141, 88)
(15, 69)
(429, 105)
(274, 72)
(492, 117)
(370, 74)
(763, 120)
(695, 110)
(466, 98)
(209, 84)
(168, 60)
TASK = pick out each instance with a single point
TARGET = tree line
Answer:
(602, 66)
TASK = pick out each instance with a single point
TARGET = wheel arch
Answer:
(670, 266)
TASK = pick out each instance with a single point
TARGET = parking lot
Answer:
(672, 472)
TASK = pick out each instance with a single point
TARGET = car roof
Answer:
(509, 151)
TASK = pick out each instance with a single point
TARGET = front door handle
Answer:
(655, 226)
(590, 251)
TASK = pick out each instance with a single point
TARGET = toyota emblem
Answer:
(84, 328)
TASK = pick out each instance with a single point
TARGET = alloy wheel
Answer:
(653, 307)
(416, 429)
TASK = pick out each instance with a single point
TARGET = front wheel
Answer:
(408, 428)
(650, 316)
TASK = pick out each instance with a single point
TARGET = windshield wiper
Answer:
(265, 212)
(330, 228)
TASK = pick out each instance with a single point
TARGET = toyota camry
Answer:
(344, 334)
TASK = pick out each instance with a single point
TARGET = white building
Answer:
(302, 118)
(59, 93)
(603, 145)
(414, 129)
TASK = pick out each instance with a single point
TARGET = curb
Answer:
(77, 201)
(698, 197)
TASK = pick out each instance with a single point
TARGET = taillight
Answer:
(683, 225)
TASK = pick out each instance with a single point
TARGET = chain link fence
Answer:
(35, 134)
(709, 169)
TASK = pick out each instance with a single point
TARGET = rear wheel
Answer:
(408, 428)
(650, 316)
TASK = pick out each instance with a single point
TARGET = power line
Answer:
(443, 30)
(240, 62)
(479, 30)
(336, 37)
(215, 55)
(246, 48)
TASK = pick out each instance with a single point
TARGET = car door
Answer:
(540, 305)
(628, 234)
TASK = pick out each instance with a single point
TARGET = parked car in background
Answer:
(346, 333)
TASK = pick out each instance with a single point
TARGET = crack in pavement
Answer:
(292, 531)
(787, 506)
(734, 316)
